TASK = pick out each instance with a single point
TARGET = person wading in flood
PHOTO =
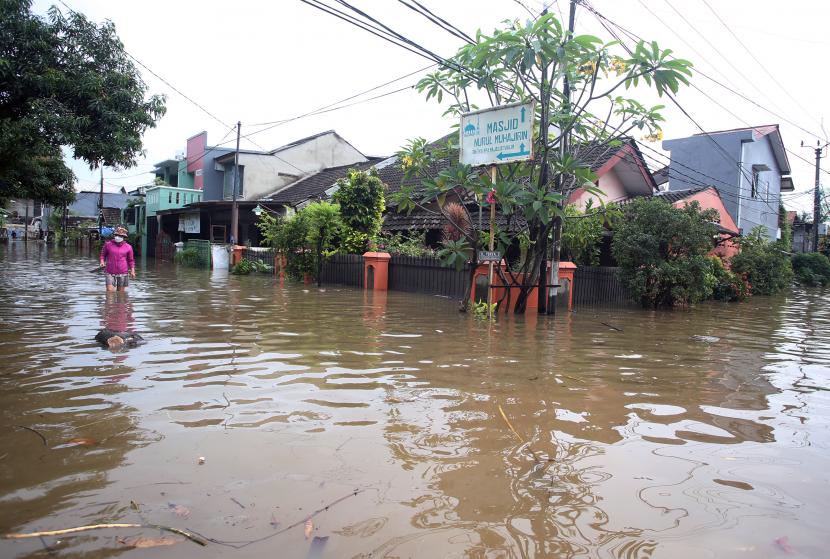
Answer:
(117, 260)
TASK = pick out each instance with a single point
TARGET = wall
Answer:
(719, 170)
(709, 199)
(196, 146)
(212, 180)
(185, 178)
(764, 209)
(612, 191)
(327, 150)
(701, 152)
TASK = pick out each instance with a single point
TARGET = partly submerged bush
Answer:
(728, 286)
(661, 251)
(764, 264)
(812, 269)
(187, 257)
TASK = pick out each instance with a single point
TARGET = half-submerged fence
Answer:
(599, 286)
(427, 275)
(345, 269)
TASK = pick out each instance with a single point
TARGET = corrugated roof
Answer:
(315, 186)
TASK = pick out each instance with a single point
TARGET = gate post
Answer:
(379, 263)
(566, 274)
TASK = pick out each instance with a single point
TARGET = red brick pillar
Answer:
(236, 254)
(566, 273)
(379, 264)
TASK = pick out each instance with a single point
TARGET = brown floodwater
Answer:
(336, 424)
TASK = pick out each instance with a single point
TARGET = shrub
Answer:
(361, 201)
(187, 257)
(812, 269)
(395, 243)
(661, 251)
(728, 286)
(582, 233)
(765, 265)
(243, 267)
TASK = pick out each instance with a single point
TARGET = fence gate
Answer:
(202, 247)
(345, 269)
(599, 286)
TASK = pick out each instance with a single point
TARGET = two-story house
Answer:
(748, 166)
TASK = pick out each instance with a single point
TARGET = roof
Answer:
(674, 196)
(758, 132)
(86, 203)
(661, 176)
(315, 186)
(112, 216)
(420, 220)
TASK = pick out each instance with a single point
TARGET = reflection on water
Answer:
(624, 434)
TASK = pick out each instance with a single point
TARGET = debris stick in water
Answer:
(504, 416)
(65, 531)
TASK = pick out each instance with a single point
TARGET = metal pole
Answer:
(817, 200)
(26, 223)
(557, 225)
(491, 245)
(235, 207)
(101, 202)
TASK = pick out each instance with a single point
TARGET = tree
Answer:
(361, 200)
(65, 81)
(522, 62)
(661, 251)
(582, 233)
(324, 226)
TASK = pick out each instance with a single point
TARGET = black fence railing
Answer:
(266, 255)
(345, 269)
(599, 286)
(427, 275)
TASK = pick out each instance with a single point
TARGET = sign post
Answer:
(493, 137)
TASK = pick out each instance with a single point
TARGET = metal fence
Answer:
(202, 249)
(427, 275)
(265, 255)
(599, 286)
(345, 269)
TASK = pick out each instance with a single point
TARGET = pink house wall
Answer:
(196, 146)
(612, 191)
(710, 199)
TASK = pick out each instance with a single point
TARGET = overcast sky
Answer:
(263, 61)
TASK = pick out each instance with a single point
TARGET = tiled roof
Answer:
(315, 186)
(674, 196)
(112, 216)
(420, 220)
(661, 176)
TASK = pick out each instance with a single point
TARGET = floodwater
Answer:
(336, 424)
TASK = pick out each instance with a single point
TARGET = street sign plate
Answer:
(489, 256)
(498, 135)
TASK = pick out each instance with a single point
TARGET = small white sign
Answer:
(489, 256)
(498, 135)
(190, 223)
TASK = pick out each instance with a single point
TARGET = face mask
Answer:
(118, 239)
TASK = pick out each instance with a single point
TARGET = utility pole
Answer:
(235, 207)
(101, 202)
(550, 307)
(817, 194)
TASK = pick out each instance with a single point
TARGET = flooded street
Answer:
(340, 424)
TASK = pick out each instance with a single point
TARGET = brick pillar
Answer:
(236, 254)
(566, 273)
(379, 263)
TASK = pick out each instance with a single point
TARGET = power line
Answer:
(451, 29)
(636, 37)
(749, 52)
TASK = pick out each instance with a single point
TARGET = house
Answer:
(748, 166)
(709, 199)
(802, 231)
(195, 199)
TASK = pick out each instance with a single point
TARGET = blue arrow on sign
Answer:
(523, 114)
(519, 153)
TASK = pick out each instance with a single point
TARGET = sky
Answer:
(265, 61)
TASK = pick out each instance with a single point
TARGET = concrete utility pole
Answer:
(550, 306)
(817, 194)
(101, 202)
(235, 207)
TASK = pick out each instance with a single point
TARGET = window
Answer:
(170, 197)
(755, 180)
(177, 198)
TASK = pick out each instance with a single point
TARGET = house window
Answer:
(756, 174)
(169, 197)
(177, 198)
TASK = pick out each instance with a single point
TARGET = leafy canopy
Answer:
(65, 81)
(360, 196)
(524, 62)
(661, 251)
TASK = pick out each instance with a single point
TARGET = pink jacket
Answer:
(118, 257)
